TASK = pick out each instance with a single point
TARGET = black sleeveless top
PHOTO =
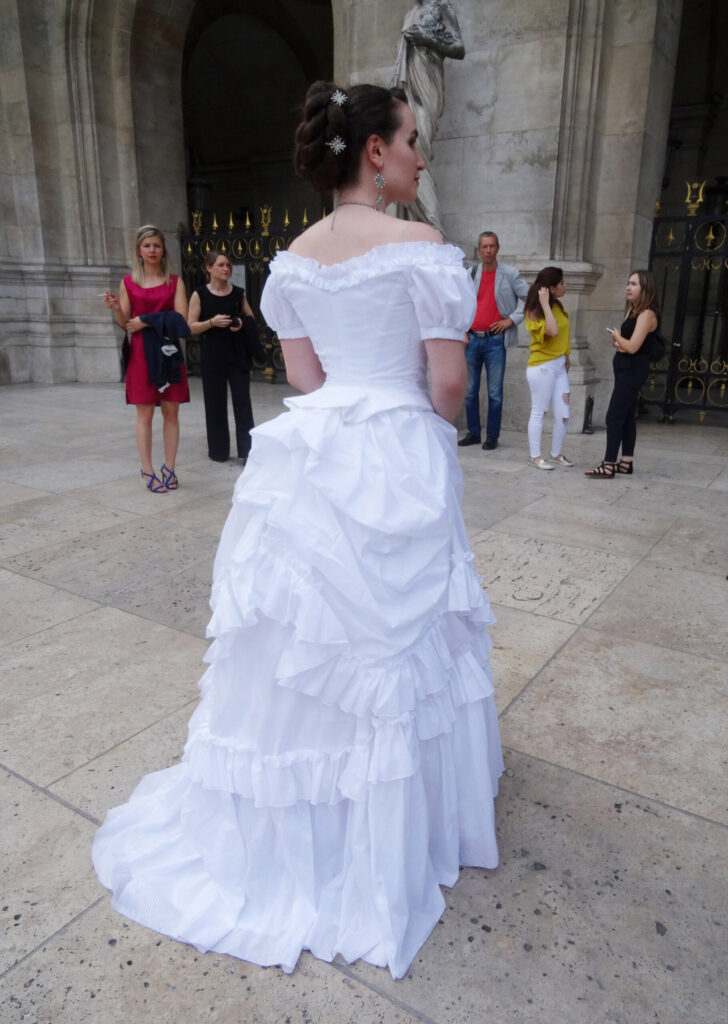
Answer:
(219, 346)
(638, 361)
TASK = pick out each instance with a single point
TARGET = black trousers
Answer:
(215, 380)
(621, 414)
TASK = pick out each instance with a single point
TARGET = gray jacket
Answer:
(510, 295)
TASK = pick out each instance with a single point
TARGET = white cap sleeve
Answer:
(278, 310)
(444, 299)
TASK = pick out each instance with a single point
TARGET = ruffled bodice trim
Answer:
(379, 260)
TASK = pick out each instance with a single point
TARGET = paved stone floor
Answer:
(610, 655)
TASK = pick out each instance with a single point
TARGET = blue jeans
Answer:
(491, 352)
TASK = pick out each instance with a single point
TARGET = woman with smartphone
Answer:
(217, 310)
(631, 365)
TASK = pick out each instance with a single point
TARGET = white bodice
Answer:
(368, 316)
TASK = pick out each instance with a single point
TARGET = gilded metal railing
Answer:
(689, 257)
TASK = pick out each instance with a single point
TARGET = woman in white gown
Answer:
(344, 758)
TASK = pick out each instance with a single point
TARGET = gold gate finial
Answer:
(265, 216)
(694, 197)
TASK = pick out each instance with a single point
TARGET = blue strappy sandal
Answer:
(169, 478)
(154, 484)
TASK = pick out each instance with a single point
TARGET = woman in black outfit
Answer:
(217, 311)
(631, 366)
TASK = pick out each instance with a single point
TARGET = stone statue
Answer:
(430, 33)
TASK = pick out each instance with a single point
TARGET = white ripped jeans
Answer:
(549, 384)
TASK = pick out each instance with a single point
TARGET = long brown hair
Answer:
(549, 277)
(648, 295)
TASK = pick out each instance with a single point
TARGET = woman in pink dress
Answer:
(150, 288)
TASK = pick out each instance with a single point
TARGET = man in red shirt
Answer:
(501, 293)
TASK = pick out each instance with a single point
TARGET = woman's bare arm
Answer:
(303, 367)
(448, 376)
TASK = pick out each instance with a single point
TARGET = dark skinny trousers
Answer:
(215, 380)
(621, 414)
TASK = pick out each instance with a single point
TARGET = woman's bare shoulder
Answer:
(416, 231)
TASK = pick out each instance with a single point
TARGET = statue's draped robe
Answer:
(420, 73)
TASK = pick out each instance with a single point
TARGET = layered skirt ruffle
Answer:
(343, 761)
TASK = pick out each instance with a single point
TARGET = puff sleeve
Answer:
(444, 299)
(537, 330)
(277, 309)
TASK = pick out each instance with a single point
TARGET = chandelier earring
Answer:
(380, 183)
(141, 261)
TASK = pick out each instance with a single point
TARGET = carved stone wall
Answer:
(553, 134)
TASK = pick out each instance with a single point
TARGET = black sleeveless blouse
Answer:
(220, 346)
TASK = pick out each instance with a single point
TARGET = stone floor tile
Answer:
(628, 713)
(27, 606)
(64, 474)
(136, 553)
(558, 580)
(695, 470)
(598, 528)
(720, 482)
(47, 877)
(693, 544)
(105, 970)
(181, 601)
(77, 689)
(673, 499)
(12, 494)
(129, 492)
(671, 607)
(522, 644)
(486, 503)
(593, 916)
(204, 515)
(50, 519)
(108, 779)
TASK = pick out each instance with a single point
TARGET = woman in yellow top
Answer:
(548, 364)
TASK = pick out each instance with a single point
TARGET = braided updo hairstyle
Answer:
(368, 110)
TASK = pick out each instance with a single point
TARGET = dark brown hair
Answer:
(368, 110)
(648, 295)
(549, 277)
(209, 260)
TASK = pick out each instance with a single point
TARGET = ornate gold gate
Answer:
(253, 244)
(689, 257)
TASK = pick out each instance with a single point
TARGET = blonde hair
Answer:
(137, 268)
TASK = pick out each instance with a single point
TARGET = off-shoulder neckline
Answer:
(439, 251)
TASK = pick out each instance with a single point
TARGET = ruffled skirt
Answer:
(343, 761)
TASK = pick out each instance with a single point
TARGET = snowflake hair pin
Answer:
(338, 97)
(337, 145)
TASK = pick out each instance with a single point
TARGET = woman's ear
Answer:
(375, 150)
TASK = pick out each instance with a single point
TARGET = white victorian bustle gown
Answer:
(344, 758)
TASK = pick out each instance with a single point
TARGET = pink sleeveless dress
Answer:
(139, 388)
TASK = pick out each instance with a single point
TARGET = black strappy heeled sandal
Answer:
(604, 471)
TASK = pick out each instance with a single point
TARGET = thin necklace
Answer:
(354, 202)
(351, 202)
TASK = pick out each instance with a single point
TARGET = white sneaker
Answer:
(561, 460)
(540, 463)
